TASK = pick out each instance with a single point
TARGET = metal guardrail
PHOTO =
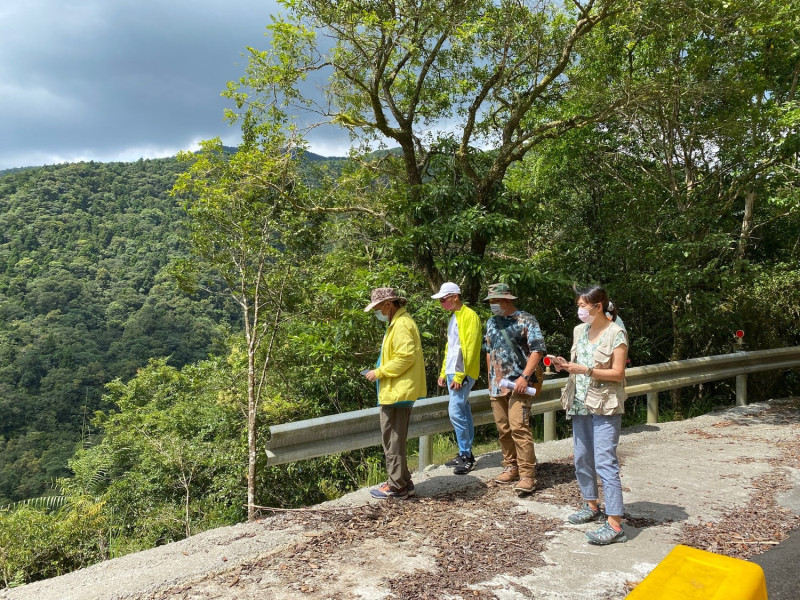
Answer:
(332, 434)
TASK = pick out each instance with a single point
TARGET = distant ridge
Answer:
(310, 156)
(14, 170)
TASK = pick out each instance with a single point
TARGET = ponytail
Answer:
(611, 309)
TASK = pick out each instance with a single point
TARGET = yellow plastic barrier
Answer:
(691, 574)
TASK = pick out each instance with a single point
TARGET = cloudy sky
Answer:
(117, 80)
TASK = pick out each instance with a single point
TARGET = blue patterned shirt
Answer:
(505, 362)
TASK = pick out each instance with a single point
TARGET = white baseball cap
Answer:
(448, 288)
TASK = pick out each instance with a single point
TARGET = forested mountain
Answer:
(84, 300)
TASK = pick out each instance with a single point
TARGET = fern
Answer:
(46, 503)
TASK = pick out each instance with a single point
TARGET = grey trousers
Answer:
(394, 430)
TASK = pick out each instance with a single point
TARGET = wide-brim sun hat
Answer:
(383, 294)
(448, 289)
(499, 291)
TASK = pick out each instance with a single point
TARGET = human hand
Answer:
(520, 385)
(442, 382)
(574, 368)
(371, 375)
(454, 385)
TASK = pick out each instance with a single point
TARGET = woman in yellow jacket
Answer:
(400, 376)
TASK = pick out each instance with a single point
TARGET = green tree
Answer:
(657, 203)
(243, 235)
(170, 453)
(438, 78)
(716, 135)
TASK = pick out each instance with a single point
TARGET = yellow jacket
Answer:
(469, 335)
(401, 366)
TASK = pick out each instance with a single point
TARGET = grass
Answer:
(445, 448)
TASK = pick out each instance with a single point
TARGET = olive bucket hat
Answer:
(500, 290)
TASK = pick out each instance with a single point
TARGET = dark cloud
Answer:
(118, 80)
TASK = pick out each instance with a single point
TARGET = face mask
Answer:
(496, 309)
(380, 316)
(583, 315)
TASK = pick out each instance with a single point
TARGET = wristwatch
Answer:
(589, 371)
(526, 377)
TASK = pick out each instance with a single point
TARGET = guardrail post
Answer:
(425, 452)
(741, 390)
(652, 407)
(550, 426)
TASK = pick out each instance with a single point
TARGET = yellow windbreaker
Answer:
(401, 366)
(469, 335)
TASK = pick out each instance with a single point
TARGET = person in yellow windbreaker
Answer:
(460, 369)
(400, 377)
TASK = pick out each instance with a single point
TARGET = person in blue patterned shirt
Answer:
(514, 347)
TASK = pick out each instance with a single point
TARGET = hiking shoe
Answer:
(509, 475)
(453, 462)
(585, 515)
(384, 492)
(526, 485)
(465, 464)
(606, 535)
(412, 491)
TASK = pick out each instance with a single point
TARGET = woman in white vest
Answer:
(594, 398)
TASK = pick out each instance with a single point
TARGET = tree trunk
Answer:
(187, 497)
(472, 284)
(747, 224)
(423, 258)
(251, 435)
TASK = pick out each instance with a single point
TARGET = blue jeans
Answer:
(461, 414)
(595, 439)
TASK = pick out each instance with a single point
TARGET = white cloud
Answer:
(116, 80)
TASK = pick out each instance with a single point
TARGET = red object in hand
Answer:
(739, 333)
(547, 361)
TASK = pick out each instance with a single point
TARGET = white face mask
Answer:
(496, 309)
(380, 316)
(583, 315)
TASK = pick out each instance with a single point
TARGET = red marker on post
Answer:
(739, 336)
(547, 361)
